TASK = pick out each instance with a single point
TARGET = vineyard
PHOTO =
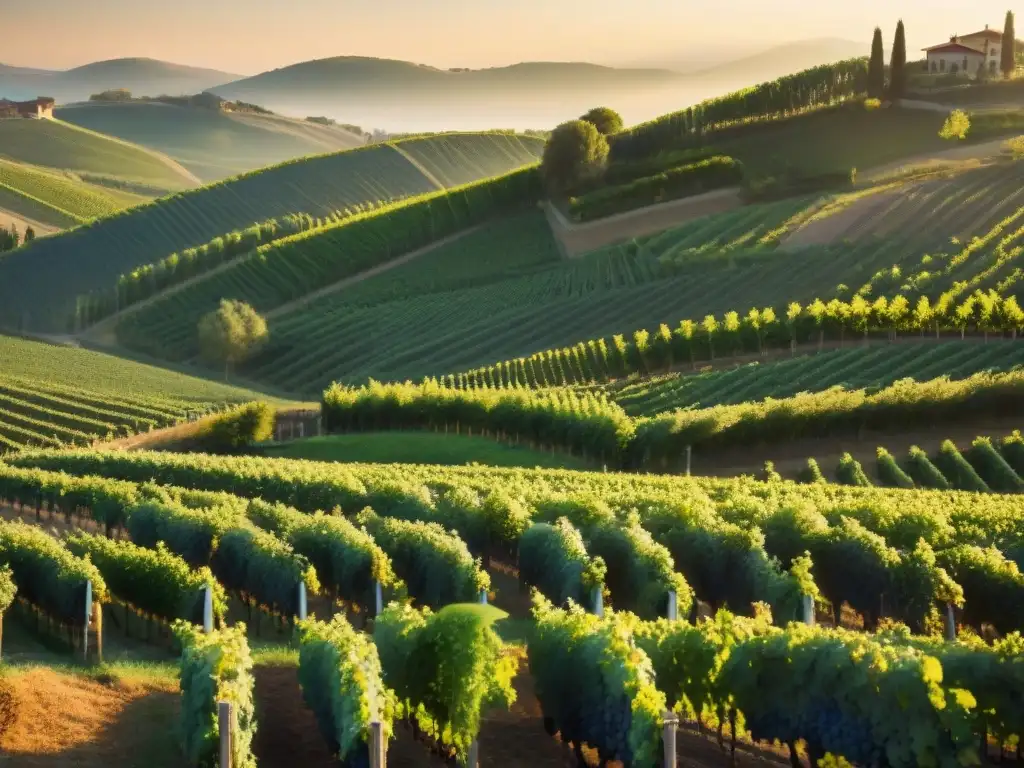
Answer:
(954, 238)
(953, 259)
(456, 159)
(752, 555)
(855, 367)
(97, 255)
(65, 147)
(290, 268)
(813, 88)
(212, 144)
(70, 200)
(988, 465)
(52, 396)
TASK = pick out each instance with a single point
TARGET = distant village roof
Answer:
(953, 48)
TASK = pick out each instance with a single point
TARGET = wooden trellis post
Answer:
(378, 757)
(224, 729)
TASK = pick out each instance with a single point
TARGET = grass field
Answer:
(420, 448)
(93, 257)
(211, 144)
(60, 145)
(52, 395)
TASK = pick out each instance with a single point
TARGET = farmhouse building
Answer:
(40, 108)
(967, 55)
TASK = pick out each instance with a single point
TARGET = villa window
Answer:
(942, 65)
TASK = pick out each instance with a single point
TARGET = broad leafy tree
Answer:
(231, 333)
(606, 120)
(575, 151)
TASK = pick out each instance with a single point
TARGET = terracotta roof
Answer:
(954, 48)
(989, 34)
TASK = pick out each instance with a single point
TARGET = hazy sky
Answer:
(249, 36)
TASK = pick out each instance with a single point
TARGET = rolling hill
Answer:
(142, 76)
(52, 395)
(56, 200)
(212, 144)
(402, 96)
(90, 155)
(322, 186)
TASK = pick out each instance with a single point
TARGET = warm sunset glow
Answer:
(250, 36)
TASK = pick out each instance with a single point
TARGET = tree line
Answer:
(11, 239)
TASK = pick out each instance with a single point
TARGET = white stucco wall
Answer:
(943, 63)
(993, 48)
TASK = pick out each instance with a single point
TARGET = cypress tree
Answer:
(898, 65)
(876, 67)
(1009, 50)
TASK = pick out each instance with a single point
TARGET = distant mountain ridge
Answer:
(142, 76)
(404, 96)
(359, 72)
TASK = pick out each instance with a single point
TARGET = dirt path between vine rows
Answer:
(68, 721)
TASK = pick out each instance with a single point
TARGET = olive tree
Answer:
(231, 334)
(575, 151)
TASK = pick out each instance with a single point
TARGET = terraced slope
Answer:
(956, 239)
(56, 199)
(211, 144)
(393, 328)
(92, 258)
(295, 268)
(460, 158)
(60, 145)
(853, 367)
(53, 395)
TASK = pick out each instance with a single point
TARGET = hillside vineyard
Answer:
(595, 444)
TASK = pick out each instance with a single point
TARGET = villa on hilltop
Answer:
(40, 108)
(967, 55)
